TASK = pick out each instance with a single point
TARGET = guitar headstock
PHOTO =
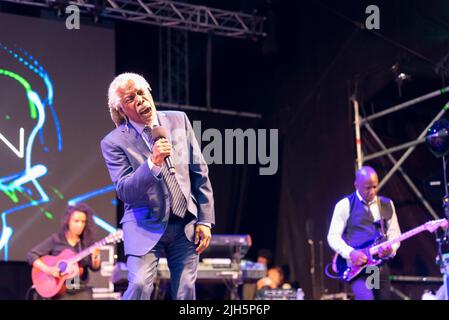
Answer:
(431, 226)
(114, 237)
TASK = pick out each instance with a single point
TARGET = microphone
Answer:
(157, 133)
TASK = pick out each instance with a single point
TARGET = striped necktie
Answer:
(368, 207)
(178, 202)
(379, 223)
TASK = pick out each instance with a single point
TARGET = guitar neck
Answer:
(402, 237)
(87, 251)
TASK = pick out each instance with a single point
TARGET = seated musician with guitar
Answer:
(76, 234)
(359, 221)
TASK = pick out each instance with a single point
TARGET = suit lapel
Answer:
(134, 140)
(163, 121)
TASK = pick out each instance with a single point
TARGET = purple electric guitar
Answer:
(347, 271)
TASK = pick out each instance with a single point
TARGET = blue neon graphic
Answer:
(30, 174)
(21, 183)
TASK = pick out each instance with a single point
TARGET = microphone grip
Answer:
(168, 162)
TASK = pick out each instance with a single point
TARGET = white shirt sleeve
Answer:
(156, 170)
(207, 224)
(393, 230)
(337, 227)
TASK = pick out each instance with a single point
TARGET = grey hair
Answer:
(114, 102)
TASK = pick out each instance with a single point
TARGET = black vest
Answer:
(361, 230)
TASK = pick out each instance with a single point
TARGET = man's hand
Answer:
(385, 251)
(202, 236)
(358, 258)
(161, 150)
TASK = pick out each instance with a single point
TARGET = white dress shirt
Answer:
(338, 225)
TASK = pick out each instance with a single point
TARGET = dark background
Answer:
(300, 78)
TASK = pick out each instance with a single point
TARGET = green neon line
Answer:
(14, 198)
(49, 215)
(58, 193)
(443, 90)
(26, 85)
(11, 195)
(446, 107)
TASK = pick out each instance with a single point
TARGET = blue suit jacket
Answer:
(146, 197)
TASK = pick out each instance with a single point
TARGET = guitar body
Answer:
(48, 286)
(347, 271)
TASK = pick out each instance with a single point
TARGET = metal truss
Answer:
(410, 146)
(165, 13)
(174, 66)
(209, 110)
(173, 44)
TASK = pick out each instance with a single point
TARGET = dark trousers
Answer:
(182, 261)
(361, 286)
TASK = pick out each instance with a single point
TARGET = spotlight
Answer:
(399, 76)
(437, 138)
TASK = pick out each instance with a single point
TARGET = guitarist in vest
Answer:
(358, 221)
(76, 233)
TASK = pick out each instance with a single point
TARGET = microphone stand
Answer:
(443, 259)
(312, 268)
(446, 192)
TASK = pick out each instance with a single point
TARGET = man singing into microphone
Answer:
(164, 212)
